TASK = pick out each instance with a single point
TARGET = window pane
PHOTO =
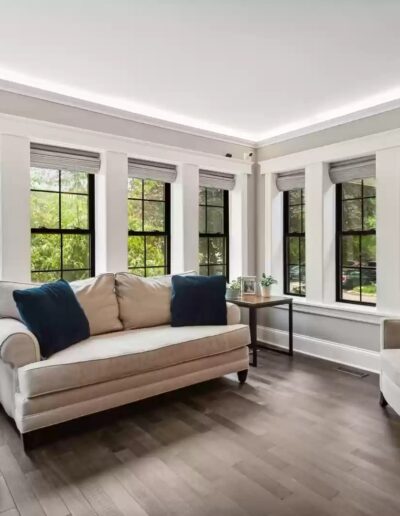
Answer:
(295, 196)
(215, 220)
(44, 179)
(369, 187)
(202, 195)
(203, 270)
(135, 188)
(135, 215)
(155, 271)
(136, 251)
(352, 215)
(203, 250)
(217, 270)
(45, 252)
(351, 251)
(295, 219)
(74, 211)
(294, 251)
(350, 284)
(45, 277)
(76, 275)
(153, 190)
(75, 182)
(76, 251)
(215, 197)
(351, 189)
(302, 250)
(44, 210)
(138, 272)
(154, 216)
(368, 285)
(155, 251)
(216, 247)
(202, 221)
(302, 281)
(294, 279)
(368, 251)
(369, 213)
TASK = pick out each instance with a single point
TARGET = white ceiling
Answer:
(252, 69)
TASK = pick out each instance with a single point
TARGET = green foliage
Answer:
(267, 281)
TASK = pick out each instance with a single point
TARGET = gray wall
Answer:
(352, 333)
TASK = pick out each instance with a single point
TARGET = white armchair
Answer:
(390, 364)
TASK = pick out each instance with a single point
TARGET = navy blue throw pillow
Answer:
(52, 313)
(198, 300)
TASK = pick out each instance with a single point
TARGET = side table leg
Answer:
(290, 329)
(253, 334)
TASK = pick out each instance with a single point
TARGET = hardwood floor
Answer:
(299, 439)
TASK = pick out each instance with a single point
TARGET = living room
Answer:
(200, 258)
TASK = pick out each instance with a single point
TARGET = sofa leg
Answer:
(28, 441)
(382, 400)
(242, 376)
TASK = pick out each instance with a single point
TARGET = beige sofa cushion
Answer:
(99, 302)
(143, 302)
(118, 355)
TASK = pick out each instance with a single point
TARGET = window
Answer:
(294, 242)
(356, 241)
(62, 225)
(149, 227)
(214, 231)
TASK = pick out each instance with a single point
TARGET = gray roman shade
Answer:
(62, 158)
(293, 180)
(142, 169)
(211, 179)
(360, 168)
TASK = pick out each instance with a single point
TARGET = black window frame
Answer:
(166, 233)
(286, 239)
(90, 231)
(339, 235)
(224, 235)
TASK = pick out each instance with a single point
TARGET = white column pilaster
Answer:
(15, 238)
(274, 232)
(388, 230)
(185, 219)
(238, 228)
(112, 213)
(320, 234)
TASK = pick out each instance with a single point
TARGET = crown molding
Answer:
(58, 98)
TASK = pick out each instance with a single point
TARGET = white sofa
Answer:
(390, 364)
(133, 353)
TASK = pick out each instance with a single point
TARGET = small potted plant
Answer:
(233, 289)
(265, 285)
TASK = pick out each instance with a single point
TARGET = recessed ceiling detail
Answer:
(255, 71)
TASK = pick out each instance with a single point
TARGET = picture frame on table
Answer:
(249, 285)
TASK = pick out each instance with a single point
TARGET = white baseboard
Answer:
(333, 351)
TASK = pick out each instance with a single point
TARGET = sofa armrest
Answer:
(232, 313)
(390, 333)
(18, 346)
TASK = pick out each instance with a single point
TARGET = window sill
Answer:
(364, 314)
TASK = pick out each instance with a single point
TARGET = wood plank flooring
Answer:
(299, 439)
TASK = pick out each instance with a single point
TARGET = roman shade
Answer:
(62, 158)
(360, 168)
(142, 169)
(293, 180)
(211, 179)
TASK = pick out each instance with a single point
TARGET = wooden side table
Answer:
(253, 303)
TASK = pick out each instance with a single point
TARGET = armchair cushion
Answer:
(390, 364)
(18, 346)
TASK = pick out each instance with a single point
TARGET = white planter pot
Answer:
(232, 294)
(265, 291)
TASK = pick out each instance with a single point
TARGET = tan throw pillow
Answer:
(99, 302)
